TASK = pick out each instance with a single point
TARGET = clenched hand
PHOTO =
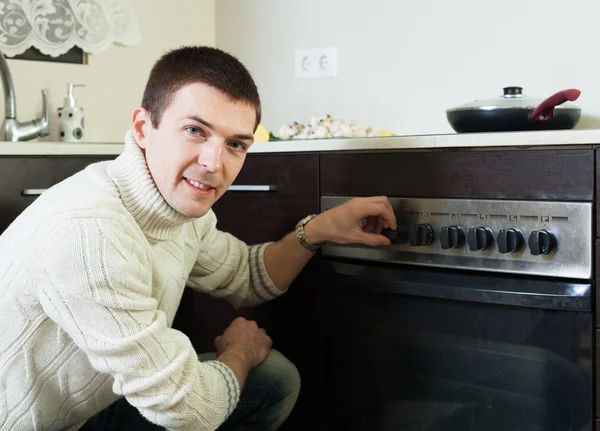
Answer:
(243, 346)
(345, 224)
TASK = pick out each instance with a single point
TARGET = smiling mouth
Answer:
(198, 184)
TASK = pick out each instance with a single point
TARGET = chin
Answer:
(195, 212)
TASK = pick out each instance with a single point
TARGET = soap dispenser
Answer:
(70, 118)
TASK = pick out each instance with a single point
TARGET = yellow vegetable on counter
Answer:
(261, 134)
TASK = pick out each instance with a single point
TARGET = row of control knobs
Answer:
(477, 238)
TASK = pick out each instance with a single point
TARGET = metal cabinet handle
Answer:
(234, 188)
(252, 188)
(32, 192)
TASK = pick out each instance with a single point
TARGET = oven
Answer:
(477, 317)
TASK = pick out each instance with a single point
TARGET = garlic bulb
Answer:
(285, 132)
(325, 126)
(346, 130)
(371, 132)
(315, 120)
(322, 132)
(335, 126)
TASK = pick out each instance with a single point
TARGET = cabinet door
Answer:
(21, 178)
(255, 215)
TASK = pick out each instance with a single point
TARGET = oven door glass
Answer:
(429, 350)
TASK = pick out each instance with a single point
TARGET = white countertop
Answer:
(511, 139)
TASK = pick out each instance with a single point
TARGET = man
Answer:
(92, 272)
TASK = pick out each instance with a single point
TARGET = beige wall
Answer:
(401, 64)
(115, 78)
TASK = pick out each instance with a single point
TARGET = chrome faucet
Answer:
(12, 129)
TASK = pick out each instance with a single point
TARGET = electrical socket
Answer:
(316, 63)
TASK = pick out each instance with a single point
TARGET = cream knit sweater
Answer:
(91, 275)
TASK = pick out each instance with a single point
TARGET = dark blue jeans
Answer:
(265, 403)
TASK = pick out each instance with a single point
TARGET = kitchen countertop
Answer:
(510, 139)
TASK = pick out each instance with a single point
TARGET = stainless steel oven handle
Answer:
(32, 192)
(472, 286)
(252, 188)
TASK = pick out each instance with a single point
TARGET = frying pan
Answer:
(513, 111)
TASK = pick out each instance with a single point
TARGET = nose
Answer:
(211, 156)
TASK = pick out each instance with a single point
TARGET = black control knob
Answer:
(480, 238)
(541, 242)
(398, 236)
(509, 241)
(451, 237)
(422, 234)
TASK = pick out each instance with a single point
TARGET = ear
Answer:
(141, 126)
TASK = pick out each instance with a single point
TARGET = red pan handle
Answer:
(545, 110)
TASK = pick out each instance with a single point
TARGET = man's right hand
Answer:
(242, 347)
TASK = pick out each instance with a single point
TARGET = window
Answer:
(55, 26)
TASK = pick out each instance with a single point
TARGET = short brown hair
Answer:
(191, 64)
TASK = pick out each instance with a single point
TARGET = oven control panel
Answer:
(519, 237)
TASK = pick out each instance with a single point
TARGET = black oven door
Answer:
(408, 349)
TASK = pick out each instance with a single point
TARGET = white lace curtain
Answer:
(56, 26)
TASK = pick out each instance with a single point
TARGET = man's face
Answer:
(199, 147)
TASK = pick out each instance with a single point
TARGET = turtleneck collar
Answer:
(130, 173)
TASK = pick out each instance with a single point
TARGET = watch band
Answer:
(302, 236)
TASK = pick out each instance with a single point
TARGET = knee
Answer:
(284, 376)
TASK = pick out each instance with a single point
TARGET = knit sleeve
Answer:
(228, 268)
(95, 281)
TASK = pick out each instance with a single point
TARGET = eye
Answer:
(237, 146)
(193, 130)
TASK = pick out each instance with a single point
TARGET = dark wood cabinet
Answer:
(259, 216)
(291, 320)
(479, 174)
(22, 173)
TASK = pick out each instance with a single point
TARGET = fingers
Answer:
(218, 343)
(267, 342)
(388, 205)
(370, 225)
(246, 339)
(380, 225)
(361, 220)
(381, 210)
(374, 225)
(372, 239)
(381, 200)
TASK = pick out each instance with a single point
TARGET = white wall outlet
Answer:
(316, 63)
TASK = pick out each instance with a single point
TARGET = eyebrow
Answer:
(210, 126)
